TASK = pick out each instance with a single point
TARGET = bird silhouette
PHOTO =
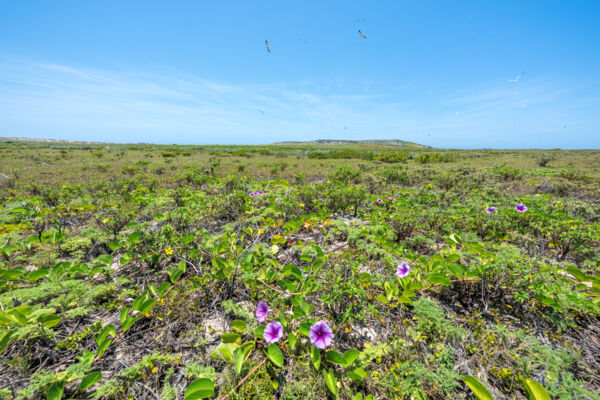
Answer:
(360, 19)
(362, 34)
(268, 47)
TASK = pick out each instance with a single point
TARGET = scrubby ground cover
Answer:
(137, 272)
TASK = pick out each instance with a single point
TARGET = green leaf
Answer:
(175, 274)
(457, 270)
(123, 315)
(350, 356)
(108, 330)
(231, 338)
(315, 357)
(56, 391)
(36, 275)
(90, 380)
(239, 325)
(259, 332)
(335, 357)
(357, 374)
(439, 278)
(224, 352)
(535, 391)
(129, 321)
(292, 339)
(105, 259)
(382, 299)
(17, 316)
(580, 276)
(134, 237)
(200, 389)
(103, 346)
(292, 270)
(331, 382)
(162, 288)
(275, 355)
(115, 245)
(187, 239)
(49, 321)
(240, 355)
(304, 328)
(147, 306)
(5, 340)
(125, 258)
(477, 388)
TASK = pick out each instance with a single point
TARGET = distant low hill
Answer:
(380, 142)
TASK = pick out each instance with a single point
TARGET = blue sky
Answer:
(195, 72)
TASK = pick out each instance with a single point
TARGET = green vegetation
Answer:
(135, 271)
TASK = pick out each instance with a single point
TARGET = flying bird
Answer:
(517, 78)
(268, 47)
(360, 19)
(362, 34)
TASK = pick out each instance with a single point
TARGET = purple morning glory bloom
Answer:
(402, 270)
(380, 201)
(273, 332)
(490, 210)
(32, 220)
(260, 192)
(203, 186)
(287, 191)
(398, 195)
(278, 199)
(320, 335)
(252, 194)
(262, 309)
(521, 207)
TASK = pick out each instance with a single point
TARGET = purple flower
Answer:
(203, 186)
(278, 199)
(402, 270)
(320, 335)
(252, 194)
(273, 332)
(215, 191)
(262, 309)
(287, 191)
(260, 192)
(380, 201)
(32, 220)
(521, 207)
(490, 210)
(398, 195)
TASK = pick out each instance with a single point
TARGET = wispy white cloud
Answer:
(53, 100)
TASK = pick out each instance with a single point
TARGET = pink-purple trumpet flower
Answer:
(402, 270)
(320, 335)
(521, 207)
(262, 310)
(273, 332)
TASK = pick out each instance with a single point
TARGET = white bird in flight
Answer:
(517, 78)
(268, 47)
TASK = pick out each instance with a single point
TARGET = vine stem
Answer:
(244, 379)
